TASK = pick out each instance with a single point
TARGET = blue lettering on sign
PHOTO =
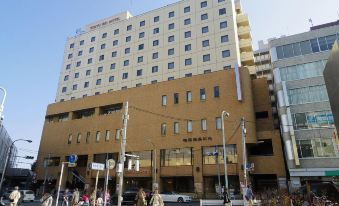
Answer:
(73, 158)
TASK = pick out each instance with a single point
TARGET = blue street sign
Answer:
(72, 158)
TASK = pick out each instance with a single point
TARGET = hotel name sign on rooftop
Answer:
(109, 20)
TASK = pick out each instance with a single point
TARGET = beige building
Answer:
(183, 39)
(177, 120)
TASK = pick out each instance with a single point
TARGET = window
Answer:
(261, 115)
(103, 46)
(311, 120)
(218, 123)
(223, 25)
(138, 85)
(116, 31)
(170, 78)
(142, 23)
(154, 81)
(66, 78)
(187, 9)
(68, 66)
(139, 72)
(89, 61)
(226, 53)
(114, 54)
(204, 29)
(188, 47)
(97, 136)
(64, 89)
(188, 62)
(100, 69)
(127, 50)
(104, 35)
(216, 91)
(125, 75)
(188, 34)
(220, 1)
(79, 138)
(128, 38)
(187, 21)
(222, 11)
(98, 82)
(176, 128)
(126, 63)
(307, 95)
(69, 141)
(163, 129)
(86, 84)
(155, 69)
(177, 157)
(141, 47)
(224, 39)
(215, 154)
(156, 19)
(140, 59)
(205, 43)
(70, 56)
(171, 26)
(129, 27)
(188, 96)
(170, 52)
(330, 41)
(80, 53)
(189, 126)
(164, 100)
(302, 71)
(171, 14)
(82, 42)
(170, 38)
(71, 46)
(156, 30)
(111, 79)
(75, 87)
(115, 42)
(322, 44)
(76, 75)
(207, 71)
(305, 47)
(204, 17)
(204, 125)
(91, 49)
(155, 55)
(78, 64)
(108, 135)
(171, 65)
(88, 72)
(176, 98)
(124, 87)
(113, 66)
(314, 46)
(101, 57)
(203, 4)
(96, 93)
(206, 57)
(155, 42)
(141, 35)
(202, 94)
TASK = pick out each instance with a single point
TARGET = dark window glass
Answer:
(330, 41)
(156, 19)
(322, 44)
(142, 23)
(224, 39)
(203, 4)
(216, 91)
(261, 115)
(288, 50)
(188, 47)
(187, 34)
(222, 11)
(314, 45)
(296, 49)
(187, 9)
(305, 47)
(280, 52)
(204, 17)
(176, 98)
(171, 14)
(202, 94)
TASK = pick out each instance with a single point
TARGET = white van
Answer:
(28, 195)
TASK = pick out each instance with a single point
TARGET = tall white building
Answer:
(186, 38)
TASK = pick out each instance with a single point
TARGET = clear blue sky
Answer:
(33, 34)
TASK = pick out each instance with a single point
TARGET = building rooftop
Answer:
(321, 26)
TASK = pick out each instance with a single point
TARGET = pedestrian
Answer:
(108, 197)
(93, 198)
(85, 199)
(14, 196)
(100, 201)
(47, 199)
(21, 199)
(227, 201)
(65, 198)
(249, 195)
(156, 199)
(141, 198)
(2, 196)
(75, 197)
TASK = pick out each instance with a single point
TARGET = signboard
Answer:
(97, 166)
(110, 164)
(72, 164)
(72, 158)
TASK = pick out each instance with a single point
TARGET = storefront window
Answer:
(176, 157)
(212, 154)
(320, 147)
(309, 120)
(145, 158)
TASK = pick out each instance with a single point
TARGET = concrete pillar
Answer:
(197, 172)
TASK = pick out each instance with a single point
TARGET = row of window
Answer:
(313, 148)
(189, 126)
(303, 71)
(306, 47)
(311, 120)
(171, 14)
(306, 95)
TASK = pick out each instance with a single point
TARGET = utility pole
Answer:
(217, 162)
(244, 157)
(223, 115)
(122, 154)
(46, 172)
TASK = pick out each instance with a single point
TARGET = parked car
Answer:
(175, 197)
(130, 194)
(28, 195)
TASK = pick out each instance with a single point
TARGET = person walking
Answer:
(14, 196)
(93, 198)
(75, 197)
(249, 195)
(85, 198)
(141, 198)
(65, 198)
(227, 201)
(156, 199)
(46, 200)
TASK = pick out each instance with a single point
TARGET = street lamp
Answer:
(7, 156)
(2, 104)
(154, 186)
(223, 115)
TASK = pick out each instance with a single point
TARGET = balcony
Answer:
(244, 32)
(245, 45)
(242, 20)
(247, 58)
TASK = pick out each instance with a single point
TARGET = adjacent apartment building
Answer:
(306, 118)
(183, 39)
(5, 143)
